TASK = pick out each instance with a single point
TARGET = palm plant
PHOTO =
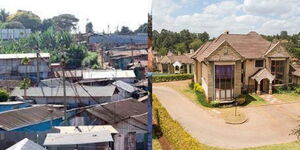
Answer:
(26, 81)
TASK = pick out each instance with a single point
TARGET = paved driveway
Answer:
(267, 125)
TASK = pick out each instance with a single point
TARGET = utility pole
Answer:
(38, 66)
(64, 87)
(150, 55)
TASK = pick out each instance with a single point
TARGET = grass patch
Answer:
(288, 96)
(254, 100)
(177, 137)
(284, 146)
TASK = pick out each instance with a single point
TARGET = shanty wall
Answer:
(8, 139)
(71, 101)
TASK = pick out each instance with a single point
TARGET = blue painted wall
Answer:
(43, 126)
(11, 107)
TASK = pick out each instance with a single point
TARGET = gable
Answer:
(278, 51)
(165, 60)
(224, 52)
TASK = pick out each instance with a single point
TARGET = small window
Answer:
(259, 63)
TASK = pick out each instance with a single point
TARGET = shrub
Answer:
(215, 103)
(198, 88)
(178, 138)
(3, 95)
(171, 77)
(297, 90)
(241, 100)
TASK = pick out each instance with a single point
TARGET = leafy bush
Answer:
(171, 77)
(3, 95)
(198, 88)
(241, 99)
(297, 90)
(215, 103)
(178, 138)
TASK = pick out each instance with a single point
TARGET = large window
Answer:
(259, 63)
(277, 69)
(224, 81)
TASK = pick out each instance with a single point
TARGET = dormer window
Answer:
(259, 63)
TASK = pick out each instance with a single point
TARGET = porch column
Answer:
(270, 87)
(188, 68)
(258, 88)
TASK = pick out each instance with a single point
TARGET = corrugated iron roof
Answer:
(115, 112)
(21, 56)
(125, 86)
(109, 74)
(26, 144)
(77, 138)
(84, 129)
(18, 118)
(95, 91)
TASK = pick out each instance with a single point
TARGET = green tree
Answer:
(3, 15)
(142, 28)
(181, 48)
(12, 25)
(25, 84)
(65, 22)
(125, 30)
(46, 24)
(163, 51)
(91, 60)
(203, 36)
(25, 61)
(3, 95)
(89, 28)
(27, 18)
(283, 35)
(74, 56)
(195, 44)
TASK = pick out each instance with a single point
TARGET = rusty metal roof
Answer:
(18, 118)
(115, 112)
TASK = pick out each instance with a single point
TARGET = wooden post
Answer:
(258, 88)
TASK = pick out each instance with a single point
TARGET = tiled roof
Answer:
(18, 118)
(249, 46)
(185, 58)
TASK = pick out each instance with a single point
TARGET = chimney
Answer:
(226, 32)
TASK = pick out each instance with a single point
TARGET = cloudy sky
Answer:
(101, 13)
(237, 16)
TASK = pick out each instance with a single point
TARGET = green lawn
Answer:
(254, 100)
(284, 146)
(156, 144)
(288, 97)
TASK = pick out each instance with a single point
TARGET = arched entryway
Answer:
(263, 80)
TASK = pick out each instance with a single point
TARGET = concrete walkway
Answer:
(270, 99)
(267, 125)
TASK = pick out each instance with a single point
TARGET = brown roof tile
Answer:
(250, 45)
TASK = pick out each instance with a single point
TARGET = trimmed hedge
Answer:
(177, 137)
(171, 77)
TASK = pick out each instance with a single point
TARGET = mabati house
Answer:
(233, 63)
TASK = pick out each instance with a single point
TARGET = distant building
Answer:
(118, 40)
(124, 59)
(12, 34)
(12, 68)
(172, 63)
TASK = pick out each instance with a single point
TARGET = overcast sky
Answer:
(237, 16)
(101, 13)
